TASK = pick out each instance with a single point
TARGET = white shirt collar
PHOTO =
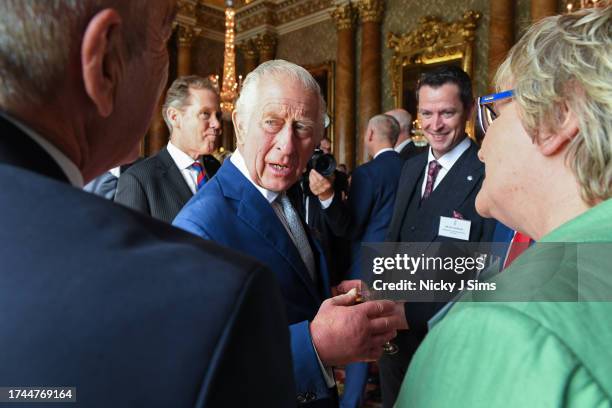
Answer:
(400, 146)
(182, 159)
(448, 160)
(72, 172)
(238, 161)
(386, 149)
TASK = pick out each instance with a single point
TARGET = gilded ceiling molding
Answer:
(211, 18)
(371, 11)
(302, 9)
(344, 16)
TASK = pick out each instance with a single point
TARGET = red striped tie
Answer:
(201, 174)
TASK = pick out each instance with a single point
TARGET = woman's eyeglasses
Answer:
(487, 112)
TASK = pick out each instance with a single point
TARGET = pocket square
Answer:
(458, 215)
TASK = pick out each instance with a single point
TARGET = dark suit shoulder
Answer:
(148, 166)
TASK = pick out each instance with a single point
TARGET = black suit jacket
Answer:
(156, 186)
(455, 193)
(127, 309)
(411, 150)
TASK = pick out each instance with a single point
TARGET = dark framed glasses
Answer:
(487, 112)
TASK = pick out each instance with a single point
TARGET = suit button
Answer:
(310, 396)
(412, 228)
(301, 399)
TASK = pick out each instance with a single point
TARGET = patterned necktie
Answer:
(432, 173)
(298, 235)
(200, 175)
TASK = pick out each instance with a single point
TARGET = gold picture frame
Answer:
(432, 43)
(324, 73)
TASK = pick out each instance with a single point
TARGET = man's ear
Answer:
(551, 141)
(174, 116)
(239, 127)
(101, 59)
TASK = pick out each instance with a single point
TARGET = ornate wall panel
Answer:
(404, 18)
(310, 45)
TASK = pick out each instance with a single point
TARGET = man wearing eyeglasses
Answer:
(436, 188)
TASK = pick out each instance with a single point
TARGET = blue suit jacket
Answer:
(231, 211)
(127, 309)
(370, 204)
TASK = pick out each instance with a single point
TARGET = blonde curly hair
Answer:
(565, 62)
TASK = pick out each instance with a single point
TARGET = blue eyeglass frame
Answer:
(484, 102)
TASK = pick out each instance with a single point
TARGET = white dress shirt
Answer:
(238, 161)
(183, 161)
(72, 172)
(447, 161)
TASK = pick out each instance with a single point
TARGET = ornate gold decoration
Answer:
(432, 42)
(248, 48)
(186, 7)
(344, 16)
(266, 43)
(573, 5)
(210, 18)
(303, 9)
(371, 11)
(185, 36)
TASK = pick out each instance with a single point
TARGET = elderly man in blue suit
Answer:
(278, 122)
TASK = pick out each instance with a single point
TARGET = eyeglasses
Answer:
(487, 112)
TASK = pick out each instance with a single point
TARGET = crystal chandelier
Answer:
(230, 88)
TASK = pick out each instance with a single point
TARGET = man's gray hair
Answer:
(385, 127)
(38, 36)
(278, 68)
(179, 95)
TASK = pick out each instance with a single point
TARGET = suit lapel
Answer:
(255, 211)
(172, 176)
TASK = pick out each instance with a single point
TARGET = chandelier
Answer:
(230, 88)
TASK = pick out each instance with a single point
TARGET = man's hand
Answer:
(344, 332)
(321, 186)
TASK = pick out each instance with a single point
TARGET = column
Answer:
(501, 34)
(344, 118)
(266, 45)
(542, 8)
(251, 57)
(371, 14)
(185, 40)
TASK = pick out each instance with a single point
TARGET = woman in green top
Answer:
(544, 338)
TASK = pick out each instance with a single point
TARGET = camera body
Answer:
(323, 163)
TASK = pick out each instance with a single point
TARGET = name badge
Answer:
(454, 228)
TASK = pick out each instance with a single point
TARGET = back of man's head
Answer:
(179, 93)
(385, 129)
(404, 119)
(37, 39)
(448, 74)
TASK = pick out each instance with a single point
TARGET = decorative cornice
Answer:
(344, 16)
(302, 9)
(211, 18)
(371, 11)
